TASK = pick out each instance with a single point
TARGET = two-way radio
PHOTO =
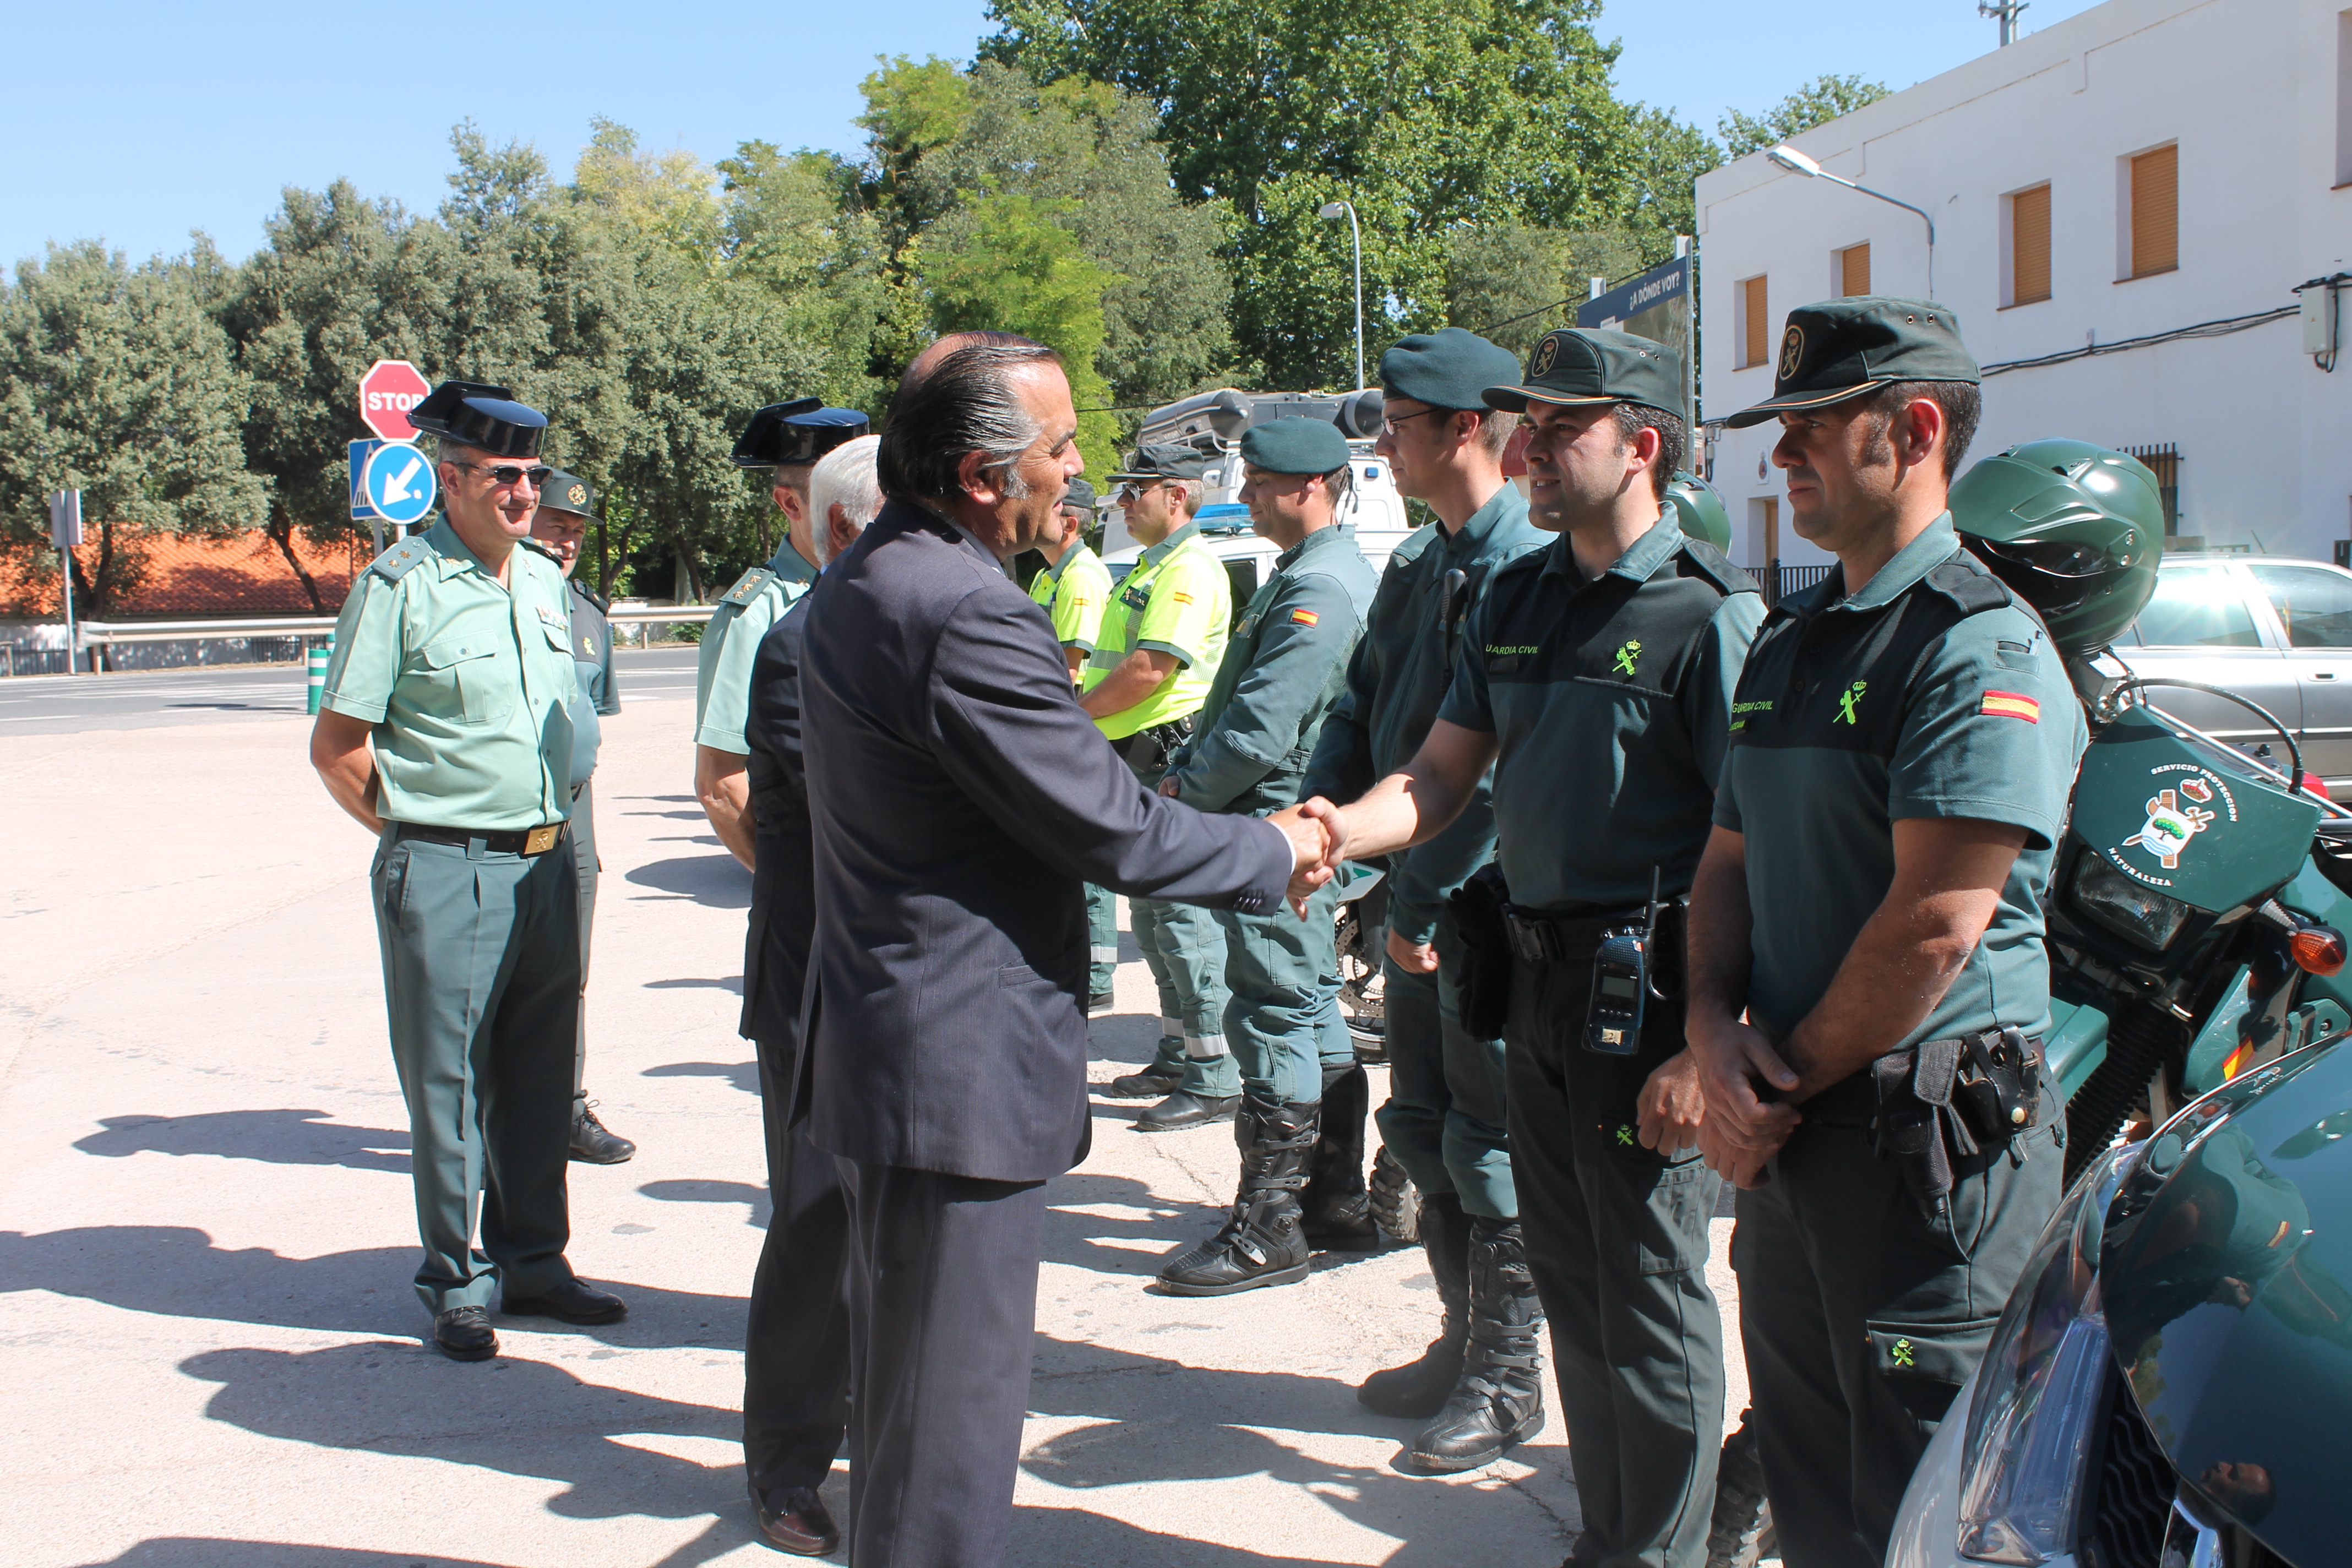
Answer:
(1621, 984)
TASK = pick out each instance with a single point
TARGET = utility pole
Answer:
(2005, 12)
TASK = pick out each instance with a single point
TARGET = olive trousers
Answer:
(1444, 1120)
(1283, 1020)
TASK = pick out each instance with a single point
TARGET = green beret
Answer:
(1450, 368)
(1166, 460)
(1296, 446)
(1081, 495)
(568, 492)
(1578, 366)
(1842, 348)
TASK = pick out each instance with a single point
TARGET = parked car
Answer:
(2274, 629)
(1249, 560)
(2170, 1383)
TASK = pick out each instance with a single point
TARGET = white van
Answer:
(1249, 560)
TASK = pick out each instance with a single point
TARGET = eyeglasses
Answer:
(1389, 424)
(1130, 490)
(504, 474)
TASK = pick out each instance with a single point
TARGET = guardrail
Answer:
(94, 632)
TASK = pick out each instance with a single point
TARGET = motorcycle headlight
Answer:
(2131, 910)
(2037, 1394)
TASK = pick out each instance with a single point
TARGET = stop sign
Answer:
(387, 392)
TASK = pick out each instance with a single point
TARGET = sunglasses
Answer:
(504, 474)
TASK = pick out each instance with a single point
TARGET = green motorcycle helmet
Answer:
(2073, 530)
(1698, 511)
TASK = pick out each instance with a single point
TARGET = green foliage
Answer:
(1514, 282)
(670, 197)
(113, 381)
(1817, 102)
(797, 226)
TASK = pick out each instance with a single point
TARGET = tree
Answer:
(669, 196)
(113, 381)
(797, 225)
(1513, 282)
(1817, 102)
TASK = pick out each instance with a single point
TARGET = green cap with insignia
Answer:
(1296, 446)
(1842, 348)
(568, 492)
(1164, 460)
(1577, 366)
(1081, 495)
(1450, 368)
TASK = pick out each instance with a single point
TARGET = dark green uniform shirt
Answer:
(1284, 667)
(1611, 700)
(1396, 680)
(1929, 693)
(592, 656)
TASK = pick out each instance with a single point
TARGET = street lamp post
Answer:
(1331, 210)
(1796, 162)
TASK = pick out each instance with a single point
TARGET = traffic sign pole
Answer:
(64, 532)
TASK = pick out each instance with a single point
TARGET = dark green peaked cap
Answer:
(1164, 460)
(1296, 446)
(1842, 348)
(1081, 495)
(1449, 368)
(568, 492)
(1595, 364)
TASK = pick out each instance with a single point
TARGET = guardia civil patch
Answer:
(2010, 705)
(1305, 618)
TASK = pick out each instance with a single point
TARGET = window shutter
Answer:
(1853, 270)
(2156, 211)
(2029, 246)
(1758, 324)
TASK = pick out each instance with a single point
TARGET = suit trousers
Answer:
(1444, 1120)
(481, 980)
(1617, 1239)
(1185, 948)
(943, 1305)
(796, 1343)
(1862, 1320)
(583, 859)
(1283, 1022)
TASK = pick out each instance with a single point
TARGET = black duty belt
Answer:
(1148, 751)
(1573, 939)
(529, 841)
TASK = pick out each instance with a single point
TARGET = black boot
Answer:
(1499, 1400)
(1261, 1242)
(594, 1143)
(1395, 1202)
(1419, 1390)
(1337, 1210)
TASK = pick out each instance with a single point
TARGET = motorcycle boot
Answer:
(1419, 1390)
(1262, 1241)
(1499, 1399)
(1337, 1207)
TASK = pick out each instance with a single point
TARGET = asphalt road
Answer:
(66, 704)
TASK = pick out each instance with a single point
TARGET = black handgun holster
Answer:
(1945, 1101)
(1478, 907)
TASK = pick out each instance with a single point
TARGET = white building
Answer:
(2144, 167)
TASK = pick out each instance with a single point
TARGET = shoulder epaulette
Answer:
(1967, 584)
(400, 560)
(1525, 561)
(747, 587)
(584, 591)
(1718, 568)
(535, 545)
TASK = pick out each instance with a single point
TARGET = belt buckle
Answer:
(540, 840)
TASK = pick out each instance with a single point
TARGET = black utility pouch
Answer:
(1485, 962)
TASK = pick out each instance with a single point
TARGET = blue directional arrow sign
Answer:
(398, 482)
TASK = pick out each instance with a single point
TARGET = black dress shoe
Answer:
(793, 1518)
(1144, 1084)
(464, 1334)
(594, 1143)
(1100, 1002)
(1186, 1109)
(573, 1301)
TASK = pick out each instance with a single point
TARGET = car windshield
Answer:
(2200, 607)
(2314, 603)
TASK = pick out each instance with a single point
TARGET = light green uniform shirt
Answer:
(722, 671)
(469, 684)
(1177, 601)
(1075, 592)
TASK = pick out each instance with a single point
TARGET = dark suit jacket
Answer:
(960, 800)
(783, 917)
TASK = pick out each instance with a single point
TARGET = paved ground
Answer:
(214, 1354)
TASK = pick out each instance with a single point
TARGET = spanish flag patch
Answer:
(2010, 705)
(1305, 618)
(1183, 597)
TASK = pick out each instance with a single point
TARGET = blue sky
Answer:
(139, 122)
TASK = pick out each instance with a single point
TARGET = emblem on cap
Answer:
(1792, 352)
(1546, 352)
(576, 495)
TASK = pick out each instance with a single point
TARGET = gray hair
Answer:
(967, 403)
(845, 476)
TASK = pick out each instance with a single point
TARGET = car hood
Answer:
(2223, 1270)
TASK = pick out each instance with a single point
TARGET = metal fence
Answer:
(1778, 581)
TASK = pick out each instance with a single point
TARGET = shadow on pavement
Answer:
(751, 1196)
(175, 1271)
(733, 982)
(1068, 1537)
(209, 1551)
(1089, 1241)
(715, 881)
(278, 1137)
(744, 1076)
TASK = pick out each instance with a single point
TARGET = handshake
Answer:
(1318, 831)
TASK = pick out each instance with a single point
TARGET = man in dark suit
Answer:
(959, 800)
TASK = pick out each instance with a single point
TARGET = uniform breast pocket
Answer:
(467, 680)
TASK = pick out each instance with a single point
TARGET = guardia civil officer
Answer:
(1162, 640)
(786, 439)
(1596, 678)
(1445, 1117)
(446, 729)
(1286, 665)
(1903, 743)
(567, 504)
(959, 799)
(796, 1345)
(1075, 588)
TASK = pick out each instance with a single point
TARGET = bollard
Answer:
(319, 672)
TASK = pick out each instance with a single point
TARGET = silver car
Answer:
(2274, 629)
